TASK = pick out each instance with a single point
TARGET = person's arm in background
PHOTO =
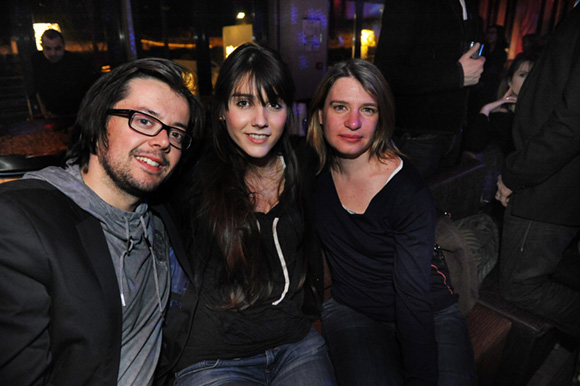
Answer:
(36, 80)
(495, 106)
(45, 113)
(478, 135)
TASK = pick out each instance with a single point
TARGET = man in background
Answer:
(540, 186)
(425, 53)
(61, 78)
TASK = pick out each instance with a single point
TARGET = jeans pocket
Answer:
(182, 376)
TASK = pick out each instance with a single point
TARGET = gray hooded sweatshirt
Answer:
(139, 248)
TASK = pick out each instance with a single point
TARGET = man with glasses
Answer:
(85, 249)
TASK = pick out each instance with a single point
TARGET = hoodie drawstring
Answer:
(128, 249)
(154, 261)
(282, 262)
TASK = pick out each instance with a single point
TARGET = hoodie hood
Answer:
(113, 220)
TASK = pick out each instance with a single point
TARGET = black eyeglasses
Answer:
(150, 126)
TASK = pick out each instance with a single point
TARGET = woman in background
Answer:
(494, 121)
(254, 264)
(393, 317)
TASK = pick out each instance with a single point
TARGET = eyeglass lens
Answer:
(150, 126)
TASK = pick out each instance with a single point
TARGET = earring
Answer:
(221, 118)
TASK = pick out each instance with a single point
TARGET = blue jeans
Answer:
(430, 153)
(456, 363)
(531, 254)
(304, 363)
(366, 352)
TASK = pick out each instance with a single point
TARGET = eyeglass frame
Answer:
(129, 114)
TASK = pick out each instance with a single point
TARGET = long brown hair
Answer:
(226, 205)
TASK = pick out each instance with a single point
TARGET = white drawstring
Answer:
(146, 235)
(282, 262)
(128, 250)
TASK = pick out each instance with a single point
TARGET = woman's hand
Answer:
(494, 106)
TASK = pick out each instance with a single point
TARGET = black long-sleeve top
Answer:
(383, 264)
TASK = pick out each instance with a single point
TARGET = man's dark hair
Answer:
(90, 128)
(52, 34)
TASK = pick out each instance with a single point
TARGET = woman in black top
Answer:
(393, 317)
(254, 262)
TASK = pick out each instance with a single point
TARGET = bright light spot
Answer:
(241, 15)
(367, 39)
(229, 50)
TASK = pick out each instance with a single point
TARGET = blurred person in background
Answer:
(425, 52)
(61, 77)
(539, 184)
(494, 120)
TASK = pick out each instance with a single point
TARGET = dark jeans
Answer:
(304, 363)
(530, 256)
(430, 152)
(366, 352)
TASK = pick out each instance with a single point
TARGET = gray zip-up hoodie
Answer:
(139, 249)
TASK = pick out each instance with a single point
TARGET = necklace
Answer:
(266, 184)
